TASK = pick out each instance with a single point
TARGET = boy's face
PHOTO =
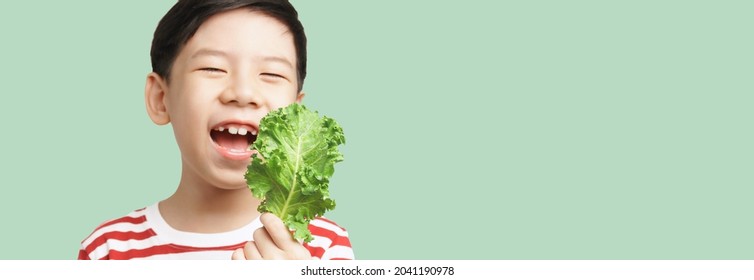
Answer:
(239, 66)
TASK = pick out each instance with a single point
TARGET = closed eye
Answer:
(273, 75)
(211, 69)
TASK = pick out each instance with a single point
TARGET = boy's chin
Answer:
(233, 185)
(231, 179)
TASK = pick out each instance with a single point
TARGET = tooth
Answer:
(242, 131)
(220, 129)
(232, 130)
(253, 132)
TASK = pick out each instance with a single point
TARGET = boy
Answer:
(219, 66)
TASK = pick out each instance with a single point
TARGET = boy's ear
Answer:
(154, 97)
(300, 97)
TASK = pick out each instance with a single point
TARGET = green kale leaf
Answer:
(298, 150)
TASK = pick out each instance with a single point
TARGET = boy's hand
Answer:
(272, 241)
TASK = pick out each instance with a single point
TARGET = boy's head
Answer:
(182, 21)
(219, 66)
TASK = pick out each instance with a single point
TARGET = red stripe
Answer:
(126, 219)
(167, 249)
(315, 251)
(319, 252)
(119, 235)
(218, 248)
(334, 237)
(83, 255)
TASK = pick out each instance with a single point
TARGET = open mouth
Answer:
(234, 139)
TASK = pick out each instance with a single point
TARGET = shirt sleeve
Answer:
(340, 250)
(331, 242)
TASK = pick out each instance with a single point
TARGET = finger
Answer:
(278, 232)
(251, 252)
(238, 255)
(267, 248)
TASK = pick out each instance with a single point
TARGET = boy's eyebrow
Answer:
(210, 52)
(278, 59)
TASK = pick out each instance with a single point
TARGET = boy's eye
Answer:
(272, 75)
(211, 69)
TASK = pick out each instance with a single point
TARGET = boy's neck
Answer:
(208, 209)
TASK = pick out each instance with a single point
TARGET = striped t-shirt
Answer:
(144, 234)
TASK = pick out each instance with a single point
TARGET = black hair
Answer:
(184, 18)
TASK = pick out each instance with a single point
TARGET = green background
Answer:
(475, 129)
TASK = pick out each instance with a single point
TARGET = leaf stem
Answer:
(295, 179)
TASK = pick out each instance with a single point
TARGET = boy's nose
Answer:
(241, 93)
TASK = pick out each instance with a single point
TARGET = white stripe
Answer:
(338, 251)
(124, 227)
(98, 253)
(137, 213)
(123, 246)
(321, 242)
(201, 255)
(329, 226)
